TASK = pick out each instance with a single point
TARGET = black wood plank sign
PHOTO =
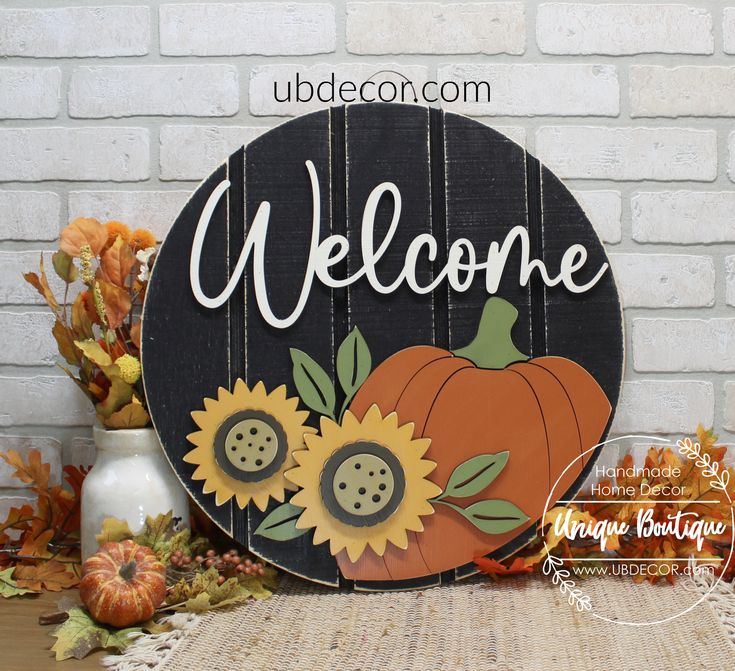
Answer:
(374, 339)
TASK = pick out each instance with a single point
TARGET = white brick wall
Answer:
(164, 90)
(434, 28)
(265, 28)
(29, 215)
(657, 91)
(677, 216)
(69, 32)
(29, 93)
(523, 90)
(87, 154)
(660, 154)
(115, 110)
(664, 280)
(684, 345)
(622, 29)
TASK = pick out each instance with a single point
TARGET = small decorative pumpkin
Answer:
(123, 583)
(484, 398)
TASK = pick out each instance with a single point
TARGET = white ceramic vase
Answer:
(131, 479)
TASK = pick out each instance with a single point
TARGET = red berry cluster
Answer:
(228, 564)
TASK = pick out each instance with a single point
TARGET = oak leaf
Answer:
(131, 416)
(34, 472)
(51, 575)
(9, 587)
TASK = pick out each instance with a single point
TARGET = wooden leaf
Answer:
(64, 266)
(117, 303)
(83, 231)
(64, 337)
(313, 384)
(117, 262)
(473, 475)
(50, 575)
(113, 530)
(493, 516)
(280, 523)
(353, 363)
(80, 635)
(131, 416)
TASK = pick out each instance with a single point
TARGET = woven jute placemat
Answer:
(524, 624)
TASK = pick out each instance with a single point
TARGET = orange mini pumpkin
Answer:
(123, 583)
(485, 398)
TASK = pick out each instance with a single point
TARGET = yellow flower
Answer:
(246, 443)
(363, 483)
(129, 368)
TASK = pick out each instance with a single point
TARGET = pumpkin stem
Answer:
(127, 570)
(493, 346)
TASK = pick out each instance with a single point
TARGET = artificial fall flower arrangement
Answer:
(97, 330)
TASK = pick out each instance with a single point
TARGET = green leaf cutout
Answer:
(280, 523)
(473, 475)
(353, 364)
(313, 384)
(492, 516)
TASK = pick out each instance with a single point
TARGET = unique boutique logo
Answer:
(643, 522)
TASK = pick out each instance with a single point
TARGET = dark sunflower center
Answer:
(250, 445)
(362, 484)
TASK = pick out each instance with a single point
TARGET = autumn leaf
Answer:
(65, 342)
(117, 303)
(35, 543)
(203, 593)
(9, 587)
(494, 568)
(117, 262)
(64, 266)
(156, 530)
(83, 231)
(131, 416)
(113, 530)
(135, 333)
(18, 518)
(40, 284)
(51, 575)
(80, 321)
(94, 352)
(119, 395)
(33, 472)
(80, 635)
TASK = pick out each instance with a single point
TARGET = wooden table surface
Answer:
(25, 645)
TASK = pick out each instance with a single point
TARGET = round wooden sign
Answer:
(373, 340)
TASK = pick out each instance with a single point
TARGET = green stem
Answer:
(493, 346)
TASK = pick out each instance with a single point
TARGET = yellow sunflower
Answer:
(246, 443)
(363, 483)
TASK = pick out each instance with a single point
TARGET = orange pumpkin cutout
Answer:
(484, 398)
